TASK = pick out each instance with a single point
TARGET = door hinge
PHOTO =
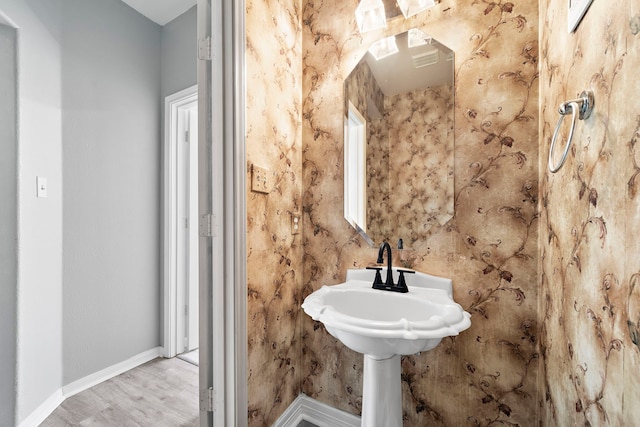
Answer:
(204, 49)
(206, 225)
(187, 136)
(207, 400)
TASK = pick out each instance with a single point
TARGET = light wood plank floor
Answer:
(162, 392)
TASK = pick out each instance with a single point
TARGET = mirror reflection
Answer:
(398, 139)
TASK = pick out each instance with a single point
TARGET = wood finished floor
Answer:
(162, 392)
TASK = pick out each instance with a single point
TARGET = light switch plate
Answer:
(260, 181)
(41, 184)
(295, 223)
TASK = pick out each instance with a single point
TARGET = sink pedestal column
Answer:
(381, 392)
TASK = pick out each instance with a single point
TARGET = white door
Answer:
(181, 308)
(187, 228)
(192, 288)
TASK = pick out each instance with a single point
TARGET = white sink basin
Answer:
(382, 323)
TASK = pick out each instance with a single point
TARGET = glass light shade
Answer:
(413, 7)
(418, 38)
(370, 15)
(383, 48)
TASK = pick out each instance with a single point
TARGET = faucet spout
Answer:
(388, 285)
(387, 247)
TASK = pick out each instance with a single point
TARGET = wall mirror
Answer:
(398, 139)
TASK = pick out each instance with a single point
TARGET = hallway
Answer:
(162, 392)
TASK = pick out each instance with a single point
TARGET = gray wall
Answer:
(39, 324)
(179, 53)
(178, 64)
(97, 63)
(112, 176)
(8, 222)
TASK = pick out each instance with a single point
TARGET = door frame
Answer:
(222, 209)
(172, 106)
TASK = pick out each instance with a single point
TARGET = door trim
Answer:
(223, 284)
(172, 105)
(237, 335)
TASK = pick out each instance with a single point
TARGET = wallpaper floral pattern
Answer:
(590, 213)
(274, 254)
(489, 248)
(546, 263)
(421, 163)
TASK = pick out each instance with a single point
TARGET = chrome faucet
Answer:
(388, 285)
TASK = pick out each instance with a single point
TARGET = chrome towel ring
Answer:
(581, 108)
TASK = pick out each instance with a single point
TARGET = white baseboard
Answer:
(50, 405)
(112, 371)
(305, 408)
(44, 410)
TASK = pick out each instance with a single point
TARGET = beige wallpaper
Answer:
(554, 337)
(362, 89)
(487, 375)
(379, 213)
(274, 258)
(420, 163)
(590, 214)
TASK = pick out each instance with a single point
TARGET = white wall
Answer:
(112, 182)
(8, 220)
(39, 324)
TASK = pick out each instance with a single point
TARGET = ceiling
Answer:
(399, 73)
(161, 11)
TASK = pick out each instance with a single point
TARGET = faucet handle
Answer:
(377, 281)
(401, 281)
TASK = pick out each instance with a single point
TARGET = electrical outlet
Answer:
(296, 223)
(260, 179)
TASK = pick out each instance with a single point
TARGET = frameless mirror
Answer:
(398, 139)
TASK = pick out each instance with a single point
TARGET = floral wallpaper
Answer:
(589, 219)
(379, 212)
(489, 248)
(421, 164)
(362, 89)
(274, 254)
(546, 263)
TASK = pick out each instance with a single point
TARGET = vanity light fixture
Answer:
(425, 59)
(418, 38)
(413, 7)
(370, 15)
(383, 48)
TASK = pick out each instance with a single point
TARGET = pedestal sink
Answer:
(383, 326)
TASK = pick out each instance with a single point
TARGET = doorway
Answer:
(180, 225)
